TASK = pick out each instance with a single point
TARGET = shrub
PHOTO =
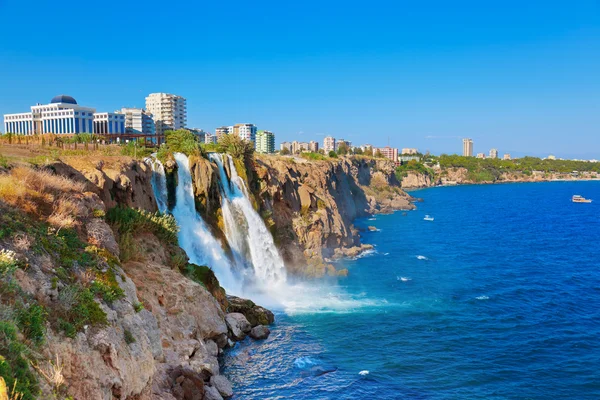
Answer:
(332, 154)
(14, 364)
(32, 322)
(129, 339)
(182, 141)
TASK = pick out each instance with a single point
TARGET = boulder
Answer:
(222, 384)
(255, 314)
(238, 325)
(260, 332)
(211, 393)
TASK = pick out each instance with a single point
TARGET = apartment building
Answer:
(265, 142)
(329, 144)
(169, 111)
(245, 131)
(467, 147)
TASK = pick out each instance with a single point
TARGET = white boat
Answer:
(580, 199)
(428, 218)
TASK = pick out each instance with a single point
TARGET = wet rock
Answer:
(238, 325)
(211, 393)
(260, 332)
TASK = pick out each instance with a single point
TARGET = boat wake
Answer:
(419, 257)
(403, 278)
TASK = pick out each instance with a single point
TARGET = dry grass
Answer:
(52, 373)
(43, 194)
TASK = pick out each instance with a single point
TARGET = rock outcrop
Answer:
(311, 205)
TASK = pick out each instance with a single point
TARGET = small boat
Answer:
(580, 199)
(428, 218)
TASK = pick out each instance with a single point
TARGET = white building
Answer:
(480, 155)
(245, 132)
(506, 156)
(313, 146)
(409, 151)
(209, 138)
(338, 142)
(169, 111)
(285, 145)
(467, 147)
(138, 121)
(109, 123)
(493, 153)
(62, 116)
(329, 144)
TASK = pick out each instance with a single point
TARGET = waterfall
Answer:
(245, 230)
(159, 183)
(194, 236)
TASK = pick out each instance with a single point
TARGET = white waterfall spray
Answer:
(245, 230)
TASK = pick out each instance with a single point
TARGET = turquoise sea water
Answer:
(499, 297)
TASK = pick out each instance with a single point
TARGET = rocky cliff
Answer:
(100, 303)
(311, 205)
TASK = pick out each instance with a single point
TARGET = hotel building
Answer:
(329, 144)
(63, 116)
(245, 131)
(467, 147)
(138, 121)
(265, 142)
(493, 153)
(409, 151)
(169, 111)
(388, 152)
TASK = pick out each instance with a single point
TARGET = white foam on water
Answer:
(364, 373)
(482, 298)
(403, 278)
(419, 257)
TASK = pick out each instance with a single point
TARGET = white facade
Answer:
(286, 145)
(409, 151)
(169, 111)
(109, 123)
(493, 153)
(467, 147)
(138, 121)
(62, 116)
(338, 142)
(329, 144)
(245, 131)
(209, 138)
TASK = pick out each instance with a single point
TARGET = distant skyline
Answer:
(522, 78)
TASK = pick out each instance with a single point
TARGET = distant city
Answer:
(165, 111)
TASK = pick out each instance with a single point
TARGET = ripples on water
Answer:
(506, 304)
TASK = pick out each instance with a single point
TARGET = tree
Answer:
(285, 151)
(333, 154)
(378, 154)
(342, 149)
(358, 151)
(236, 146)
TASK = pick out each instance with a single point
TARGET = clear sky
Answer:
(521, 76)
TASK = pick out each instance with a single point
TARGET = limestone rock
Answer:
(260, 332)
(222, 384)
(254, 314)
(211, 393)
(238, 325)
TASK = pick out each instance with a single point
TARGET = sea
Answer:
(497, 298)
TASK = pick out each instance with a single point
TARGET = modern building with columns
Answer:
(62, 116)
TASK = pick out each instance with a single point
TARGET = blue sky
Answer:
(523, 77)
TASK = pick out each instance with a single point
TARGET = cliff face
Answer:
(116, 316)
(311, 205)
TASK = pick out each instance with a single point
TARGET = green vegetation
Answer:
(129, 339)
(525, 164)
(14, 363)
(128, 221)
(332, 154)
(413, 165)
(314, 156)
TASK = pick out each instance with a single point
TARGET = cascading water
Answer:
(159, 183)
(194, 236)
(245, 230)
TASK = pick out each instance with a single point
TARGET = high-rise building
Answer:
(169, 111)
(313, 146)
(388, 152)
(286, 145)
(245, 131)
(409, 151)
(493, 153)
(138, 121)
(63, 116)
(467, 147)
(265, 142)
(329, 144)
